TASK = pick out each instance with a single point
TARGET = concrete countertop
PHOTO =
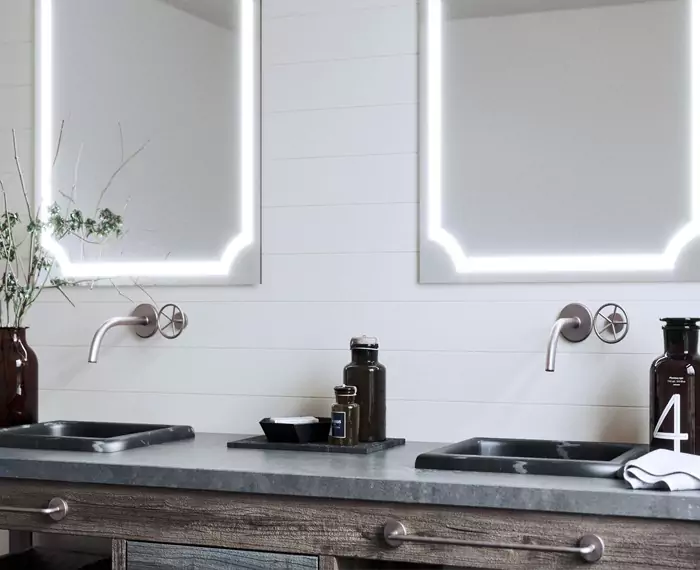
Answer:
(205, 463)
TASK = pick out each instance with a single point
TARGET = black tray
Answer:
(260, 442)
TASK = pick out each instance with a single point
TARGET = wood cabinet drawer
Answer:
(348, 529)
(150, 556)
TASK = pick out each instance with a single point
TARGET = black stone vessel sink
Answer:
(533, 457)
(97, 437)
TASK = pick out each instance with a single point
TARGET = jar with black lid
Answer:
(345, 417)
(369, 377)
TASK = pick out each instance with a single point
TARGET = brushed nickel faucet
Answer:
(575, 324)
(144, 319)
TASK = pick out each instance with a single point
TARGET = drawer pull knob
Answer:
(590, 547)
(57, 509)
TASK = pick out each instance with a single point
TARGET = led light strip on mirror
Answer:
(432, 176)
(45, 148)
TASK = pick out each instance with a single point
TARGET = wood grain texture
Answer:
(119, 554)
(150, 556)
(327, 563)
(348, 529)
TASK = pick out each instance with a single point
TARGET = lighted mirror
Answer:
(557, 138)
(150, 108)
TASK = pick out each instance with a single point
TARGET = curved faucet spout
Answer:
(110, 324)
(144, 319)
(559, 326)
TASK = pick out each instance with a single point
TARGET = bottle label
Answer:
(669, 425)
(338, 422)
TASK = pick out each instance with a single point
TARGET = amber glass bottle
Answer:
(19, 379)
(675, 389)
(345, 417)
(369, 377)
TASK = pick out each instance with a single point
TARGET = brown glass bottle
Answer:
(369, 377)
(675, 389)
(19, 379)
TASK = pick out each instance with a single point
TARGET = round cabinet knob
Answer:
(172, 321)
(611, 324)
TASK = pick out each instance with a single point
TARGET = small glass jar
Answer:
(345, 417)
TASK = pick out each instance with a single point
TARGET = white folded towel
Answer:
(665, 470)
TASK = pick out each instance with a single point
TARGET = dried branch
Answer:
(18, 165)
(137, 284)
(58, 144)
(121, 293)
(67, 197)
(62, 292)
(76, 170)
(121, 141)
(118, 170)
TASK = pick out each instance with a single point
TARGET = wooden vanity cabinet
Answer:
(152, 528)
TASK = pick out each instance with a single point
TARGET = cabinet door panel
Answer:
(148, 556)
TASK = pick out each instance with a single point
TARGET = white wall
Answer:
(339, 258)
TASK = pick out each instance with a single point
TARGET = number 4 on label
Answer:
(676, 436)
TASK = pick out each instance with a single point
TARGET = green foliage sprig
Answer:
(27, 267)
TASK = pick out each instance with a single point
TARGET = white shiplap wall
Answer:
(339, 258)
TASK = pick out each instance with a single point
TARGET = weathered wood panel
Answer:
(118, 554)
(348, 529)
(327, 563)
(150, 556)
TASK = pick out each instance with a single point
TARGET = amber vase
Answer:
(19, 379)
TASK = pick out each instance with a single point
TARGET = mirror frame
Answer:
(243, 251)
(444, 260)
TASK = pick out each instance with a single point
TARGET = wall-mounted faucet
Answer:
(146, 321)
(575, 324)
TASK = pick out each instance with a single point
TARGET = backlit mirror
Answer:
(557, 138)
(150, 108)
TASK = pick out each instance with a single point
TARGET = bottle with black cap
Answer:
(675, 389)
(369, 377)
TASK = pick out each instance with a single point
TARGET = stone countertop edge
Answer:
(206, 464)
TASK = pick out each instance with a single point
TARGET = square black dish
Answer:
(533, 457)
(260, 442)
(296, 433)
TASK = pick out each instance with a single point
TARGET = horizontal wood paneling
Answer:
(341, 34)
(341, 229)
(349, 83)
(286, 8)
(366, 131)
(511, 378)
(501, 327)
(341, 181)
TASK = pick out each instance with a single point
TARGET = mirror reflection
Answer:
(152, 111)
(554, 112)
